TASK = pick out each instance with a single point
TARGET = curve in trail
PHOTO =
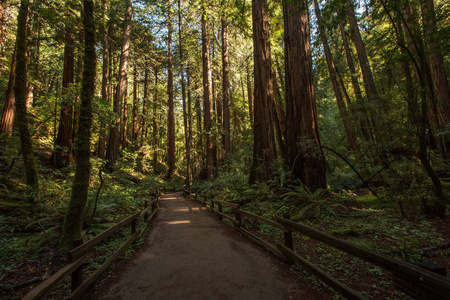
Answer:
(189, 254)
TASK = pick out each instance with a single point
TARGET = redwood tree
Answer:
(303, 155)
(264, 152)
(62, 155)
(171, 117)
(208, 169)
(114, 133)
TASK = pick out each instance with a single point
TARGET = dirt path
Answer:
(191, 255)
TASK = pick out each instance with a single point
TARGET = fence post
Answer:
(238, 215)
(77, 275)
(288, 242)
(146, 212)
(154, 205)
(133, 226)
(220, 211)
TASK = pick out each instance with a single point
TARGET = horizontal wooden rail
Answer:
(321, 274)
(85, 247)
(80, 254)
(262, 219)
(85, 286)
(225, 203)
(50, 283)
(410, 279)
(436, 285)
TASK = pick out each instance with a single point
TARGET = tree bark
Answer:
(207, 107)
(134, 130)
(124, 122)
(144, 107)
(7, 123)
(264, 149)
(334, 80)
(62, 154)
(105, 62)
(75, 212)
(171, 116)
(250, 99)
(189, 121)
(225, 90)
(362, 117)
(20, 93)
(183, 97)
(303, 155)
(369, 82)
(155, 125)
(278, 116)
(439, 79)
(200, 133)
(114, 133)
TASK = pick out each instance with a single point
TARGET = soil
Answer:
(189, 254)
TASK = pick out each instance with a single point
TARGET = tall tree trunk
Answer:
(105, 62)
(171, 116)
(207, 107)
(369, 82)
(20, 92)
(114, 134)
(124, 122)
(144, 106)
(62, 154)
(250, 95)
(303, 155)
(264, 150)
(439, 79)
(78, 80)
(183, 97)
(334, 80)
(155, 124)
(189, 124)
(225, 90)
(362, 116)
(75, 212)
(200, 133)
(278, 116)
(134, 130)
(7, 123)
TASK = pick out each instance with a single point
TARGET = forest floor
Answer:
(373, 224)
(364, 221)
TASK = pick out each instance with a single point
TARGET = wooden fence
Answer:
(408, 278)
(82, 251)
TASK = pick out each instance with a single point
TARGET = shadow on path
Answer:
(189, 254)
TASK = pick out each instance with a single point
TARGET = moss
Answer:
(344, 232)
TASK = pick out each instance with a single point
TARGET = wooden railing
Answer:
(408, 278)
(82, 251)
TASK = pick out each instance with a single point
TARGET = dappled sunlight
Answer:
(176, 222)
(187, 209)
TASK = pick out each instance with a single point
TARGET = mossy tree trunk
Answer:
(75, 212)
(20, 92)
